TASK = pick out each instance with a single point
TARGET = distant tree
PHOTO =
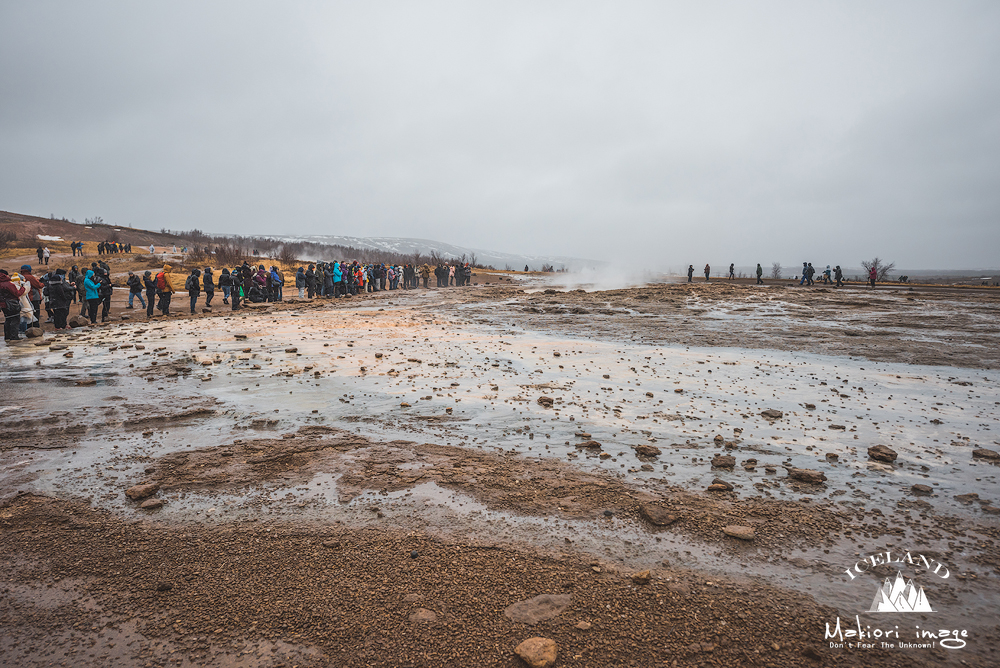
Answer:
(775, 270)
(473, 260)
(289, 253)
(882, 268)
(96, 220)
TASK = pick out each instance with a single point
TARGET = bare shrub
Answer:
(775, 270)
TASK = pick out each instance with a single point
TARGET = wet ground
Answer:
(549, 423)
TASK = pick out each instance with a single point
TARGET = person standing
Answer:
(708, 270)
(93, 295)
(451, 275)
(149, 283)
(300, 282)
(10, 300)
(34, 292)
(165, 289)
(690, 273)
(74, 277)
(236, 276)
(193, 287)
(40, 253)
(134, 290)
(732, 271)
(106, 290)
(872, 276)
(310, 281)
(810, 272)
(60, 295)
(760, 272)
(209, 287)
(838, 274)
(45, 255)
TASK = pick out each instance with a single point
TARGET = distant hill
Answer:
(28, 228)
(410, 246)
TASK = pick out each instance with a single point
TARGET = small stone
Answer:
(656, 515)
(649, 394)
(293, 349)
(206, 310)
(837, 426)
(151, 504)
(423, 615)
(719, 438)
(545, 402)
(642, 577)
(137, 492)
(583, 626)
(922, 489)
(86, 382)
(772, 414)
(164, 586)
(723, 462)
(590, 445)
(806, 475)
(378, 356)
(538, 652)
(647, 450)
(332, 544)
(605, 455)
(404, 405)
(608, 513)
(414, 554)
(679, 391)
(832, 456)
(810, 407)
(882, 453)
(984, 453)
(967, 498)
(739, 531)
(33, 332)
(718, 488)
(720, 481)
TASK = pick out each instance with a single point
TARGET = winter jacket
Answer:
(276, 277)
(35, 289)
(207, 281)
(58, 291)
(104, 281)
(300, 278)
(92, 287)
(134, 284)
(149, 283)
(9, 292)
(338, 273)
(168, 284)
(192, 284)
(225, 279)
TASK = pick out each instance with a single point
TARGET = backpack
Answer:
(191, 283)
(161, 281)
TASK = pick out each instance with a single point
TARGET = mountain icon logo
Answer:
(899, 595)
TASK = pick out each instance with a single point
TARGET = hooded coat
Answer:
(168, 284)
(91, 287)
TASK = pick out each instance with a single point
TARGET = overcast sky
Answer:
(657, 133)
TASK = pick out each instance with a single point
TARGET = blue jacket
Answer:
(338, 275)
(92, 287)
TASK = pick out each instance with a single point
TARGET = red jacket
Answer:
(7, 289)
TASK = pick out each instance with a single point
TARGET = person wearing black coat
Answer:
(105, 292)
(209, 287)
(237, 279)
(193, 287)
(134, 290)
(149, 283)
(311, 281)
(226, 283)
(60, 295)
(75, 278)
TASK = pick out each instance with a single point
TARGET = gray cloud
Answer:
(658, 134)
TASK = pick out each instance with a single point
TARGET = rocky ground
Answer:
(390, 513)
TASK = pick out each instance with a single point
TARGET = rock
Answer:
(137, 492)
(837, 426)
(537, 609)
(642, 577)
(332, 544)
(293, 349)
(240, 337)
(718, 488)
(679, 391)
(164, 586)
(739, 531)
(77, 321)
(967, 498)
(33, 332)
(206, 310)
(412, 598)
(649, 394)
(922, 489)
(832, 456)
(414, 554)
(583, 626)
(404, 405)
(719, 439)
(661, 517)
(772, 414)
(882, 453)
(151, 504)
(983, 453)
(537, 652)
(605, 455)
(723, 462)
(125, 316)
(86, 382)
(545, 402)
(750, 463)
(647, 451)
(805, 475)
(720, 481)
(423, 615)
(810, 407)
(591, 445)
